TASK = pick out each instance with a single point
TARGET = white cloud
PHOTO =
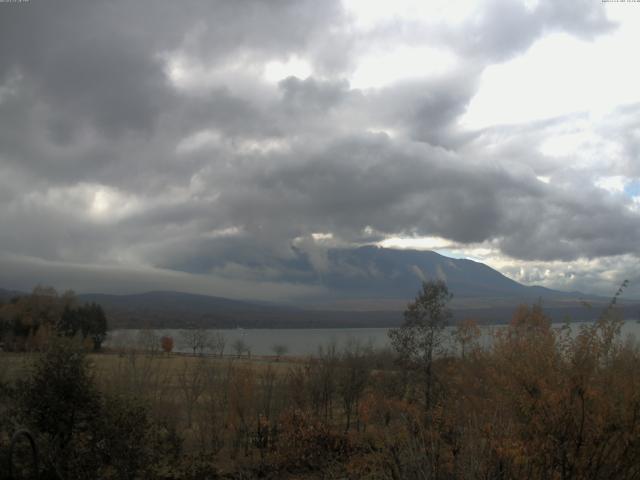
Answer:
(563, 145)
(599, 276)
(612, 184)
(370, 13)
(558, 75)
(276, 70)
(420, 243)
(95, 202)
(380, 68)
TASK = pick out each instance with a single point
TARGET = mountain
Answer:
(167, 308)
(6, 295)
(366, 286)
(176, 309)
(382, 274)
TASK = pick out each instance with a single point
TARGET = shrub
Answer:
(80, 432)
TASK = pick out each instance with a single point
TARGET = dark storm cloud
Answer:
(80, 69)
(372, 182)
(20, 272)
(566, 226)
(310, 94)
(105, 160)
(87, 61)
(429, 110)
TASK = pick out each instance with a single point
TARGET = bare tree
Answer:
(467, 334)
(144, 376)
(196, 339)
(192, 382)
(322, 379)
(217, 343)
(279, 350)
(353, 377)
(421, 335)
(267, 387)
(214, 401)
(148, 341)
(240, 347)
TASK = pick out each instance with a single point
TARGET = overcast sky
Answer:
(190, 144)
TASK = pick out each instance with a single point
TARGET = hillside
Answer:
(365, 287)
(383, 273)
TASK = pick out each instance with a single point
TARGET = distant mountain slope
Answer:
(179, 310)
(169, 300)
(168, 308)
(367, 286)
(382, 273)
(6, 295)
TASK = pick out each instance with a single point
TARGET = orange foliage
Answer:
(166, 343)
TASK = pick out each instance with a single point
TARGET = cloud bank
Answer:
(203, 145)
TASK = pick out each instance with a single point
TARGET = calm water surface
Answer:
(301, 341)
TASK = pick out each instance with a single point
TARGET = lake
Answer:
(298, 341)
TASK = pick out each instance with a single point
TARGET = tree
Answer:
(95, 326)
(59, 401)
(217, 343)
(59, 391)
(147, 341)
(422, 332)
(191, 379)
(353, 377)
(89, 320)
(166, 343)
(279, 350)
(240, 347)
(30, 321)
(80, 431)
(196, 339)
(322, 379)
(467, 334)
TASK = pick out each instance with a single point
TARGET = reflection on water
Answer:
(297, 341)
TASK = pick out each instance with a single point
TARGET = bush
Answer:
(80, 432)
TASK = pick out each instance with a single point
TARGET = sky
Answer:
(201, 145)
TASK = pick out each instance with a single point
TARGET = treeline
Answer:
(538, 403)
(28, 322)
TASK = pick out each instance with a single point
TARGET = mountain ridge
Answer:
(393, 273)
(367, 286)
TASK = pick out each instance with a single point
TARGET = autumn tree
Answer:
(422, 333)
(31, 320)
(166, 343)
(466, 335)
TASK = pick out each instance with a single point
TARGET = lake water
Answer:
(296, 341)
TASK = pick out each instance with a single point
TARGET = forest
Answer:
(539, 402)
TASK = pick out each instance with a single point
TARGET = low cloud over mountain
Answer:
(202, 146)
